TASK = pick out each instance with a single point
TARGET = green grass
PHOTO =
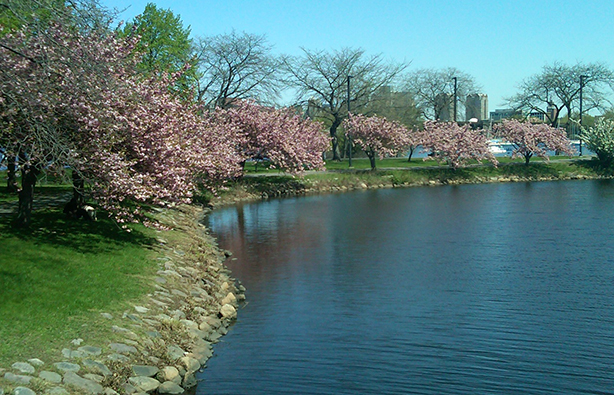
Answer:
(59, 275)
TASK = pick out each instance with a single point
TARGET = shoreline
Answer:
(167, 338)
(159, 345)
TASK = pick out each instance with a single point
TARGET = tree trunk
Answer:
(29, 176)
(411, 152)
(371, 155)
(527, 158)
(77, 202)
(11, 174)
(334, 140)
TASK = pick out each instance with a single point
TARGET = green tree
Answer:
(164, 42)
(600, 139)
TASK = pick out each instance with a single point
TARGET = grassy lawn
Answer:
(364, 164)
(59, 275)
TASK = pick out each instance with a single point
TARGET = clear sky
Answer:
(499, 42)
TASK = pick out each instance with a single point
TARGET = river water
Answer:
(472, 289)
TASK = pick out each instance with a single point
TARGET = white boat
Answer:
(495, 148)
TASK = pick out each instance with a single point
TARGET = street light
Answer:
(455, 81)
(582, 77)
(349, 137)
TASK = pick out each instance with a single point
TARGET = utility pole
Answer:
(349, 137)
(582, 77)
(455, 91)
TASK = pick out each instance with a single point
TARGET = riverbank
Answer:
(158, 342)
(259, 186)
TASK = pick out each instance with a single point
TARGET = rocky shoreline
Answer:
(304, 187)
(163, 341)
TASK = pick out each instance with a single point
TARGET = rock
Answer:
(23, 391)
(1, 391)
(228, 311)
(17, 378)
(36, 362)
(145, 371)
(110, 391)
(96, 367)
(189, 324)
(67, 367)
(229, 299)
(118, 358)
(123, 348)
(169, 373)
(88, 386)
(51, 377)
(132, 317)
(23, 367)
(189, 381)
(213, 322)
(205, 327)
(90, 350)
(202, 354)
(77, 342)
(191, 364)
(141, 309)
(169, 387)
(174, 352)
(56, 391)
(94, 377)
(107, 316)
(70, 354)
(214, 336)
(145, 384)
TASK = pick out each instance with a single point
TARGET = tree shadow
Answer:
(596, 166)
(52, 227)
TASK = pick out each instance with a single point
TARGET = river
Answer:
(471, 289)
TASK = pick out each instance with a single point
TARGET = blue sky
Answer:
(499, 42)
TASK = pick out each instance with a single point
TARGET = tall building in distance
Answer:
(444, 107)
(476, 106)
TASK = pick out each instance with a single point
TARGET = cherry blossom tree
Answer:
(289, 141)
(68, 99)
(533, 139)
(448, 142)
(377, 136)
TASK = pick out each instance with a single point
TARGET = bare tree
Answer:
(433, 90)
(558, 87)
(235, 67)
(322, 79)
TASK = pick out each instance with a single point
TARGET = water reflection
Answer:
(449, 290)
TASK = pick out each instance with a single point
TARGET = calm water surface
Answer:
(476, 289)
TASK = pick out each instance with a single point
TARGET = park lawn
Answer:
(59, 275)
(399, 163)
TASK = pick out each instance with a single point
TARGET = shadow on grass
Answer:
(596, 166)
(54, 228)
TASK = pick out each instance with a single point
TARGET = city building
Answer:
(503, 113)
(476, 106)
(444, 107)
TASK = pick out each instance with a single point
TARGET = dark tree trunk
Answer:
(29, 176)
(77, 201)
(527, 158)
(334, 140)
(411, 152)
(371, 155)
(11, 174)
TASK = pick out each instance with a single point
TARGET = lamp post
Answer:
(582, 77)
(455, 83)
(349, 137)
